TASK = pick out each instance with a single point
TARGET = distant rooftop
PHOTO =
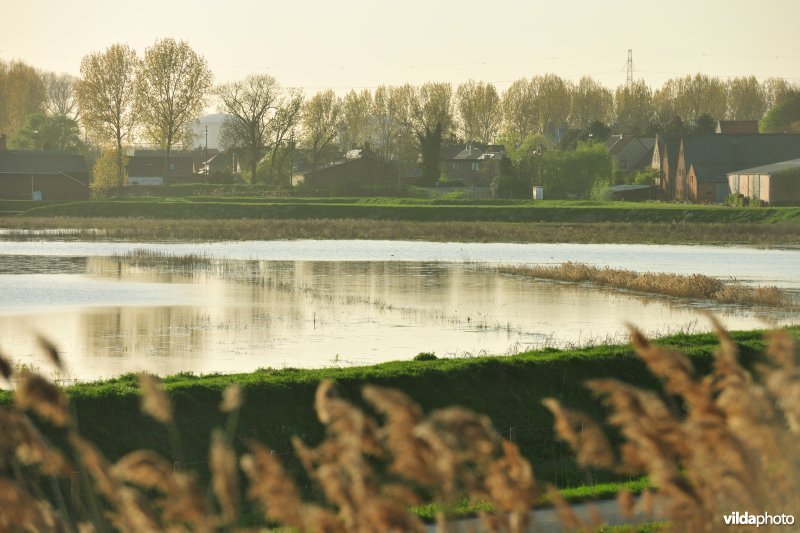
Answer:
(774, 168)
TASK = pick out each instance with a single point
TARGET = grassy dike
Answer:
(279, 403)
(416, 210)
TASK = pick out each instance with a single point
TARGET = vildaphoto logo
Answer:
(765, 519)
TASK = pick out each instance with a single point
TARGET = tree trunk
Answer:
(430, 143)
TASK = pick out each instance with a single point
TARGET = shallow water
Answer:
(247, 307)
(774, 266)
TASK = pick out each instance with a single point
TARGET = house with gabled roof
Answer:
(665, 160)
(475, 164)
(705, 161)
(43, 175)
(360, 169)
(630, 153)
(149, 167)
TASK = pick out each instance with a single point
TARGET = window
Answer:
(476, 166)
(623, 163)
(172, 166)
(756, 186)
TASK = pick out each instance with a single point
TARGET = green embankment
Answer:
(279, 403)
(415, 210)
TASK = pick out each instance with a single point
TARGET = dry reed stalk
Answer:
(131, 512)
(155, 400)
(583, 435)
(232, 398)
(20, 511)
(185, 504)
(22, 439)
(464, 445)
(511, 486)
(224, 476)
(411, 456)
(566, 515)
(271, 487)
(6, 370)
(695, 286)
(35, 393)
(726, 449)
(50, 351)
(626, 503)
(146, 469)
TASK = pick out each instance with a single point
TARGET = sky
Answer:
(358, 44)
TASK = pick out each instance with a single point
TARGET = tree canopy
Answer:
(172, 85)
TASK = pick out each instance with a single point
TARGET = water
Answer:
(337, 303)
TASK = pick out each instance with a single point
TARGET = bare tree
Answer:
(590, 102)
(286, 120)
(479, 111)
(251, 106)
(172, 85)
(356, 119)
(387, 112)
(428, 114)
(520, 110)
(60, 97)
(321, 122)
(106, 93)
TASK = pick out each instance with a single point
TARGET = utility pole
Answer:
(206, 158)
(629, 69)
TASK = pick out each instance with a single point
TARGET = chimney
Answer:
(3, 141)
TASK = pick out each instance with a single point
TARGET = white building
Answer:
(214, 124)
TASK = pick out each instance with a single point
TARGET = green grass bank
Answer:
(279, 403)
(421, 210)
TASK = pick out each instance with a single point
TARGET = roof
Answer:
(469, 152)
(39, 162)
(714, 155)
(774, 168)
(737, 126)
(148, 166)
(625, 188)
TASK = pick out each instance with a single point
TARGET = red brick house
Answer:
(705, 160)
(360, 169)
(40, 175)
(149, 167)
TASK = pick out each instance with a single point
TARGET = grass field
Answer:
(279, 402)
(126, 229)
(421, 210)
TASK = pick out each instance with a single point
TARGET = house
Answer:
(705, 160)
(737, 126)
(40, 175)
(665, 159)
(361, 168)
(149, 167)
(630, 153)
(475, 164)
(775, 184)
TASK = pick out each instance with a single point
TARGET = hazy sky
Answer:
(355, 43)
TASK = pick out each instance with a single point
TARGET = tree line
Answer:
(120, 99)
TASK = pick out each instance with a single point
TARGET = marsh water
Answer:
(244, 305)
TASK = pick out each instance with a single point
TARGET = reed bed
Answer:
(694, 286)
(127, 229)
(711, 445)
(728, 443)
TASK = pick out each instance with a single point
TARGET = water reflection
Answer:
(111, 316)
